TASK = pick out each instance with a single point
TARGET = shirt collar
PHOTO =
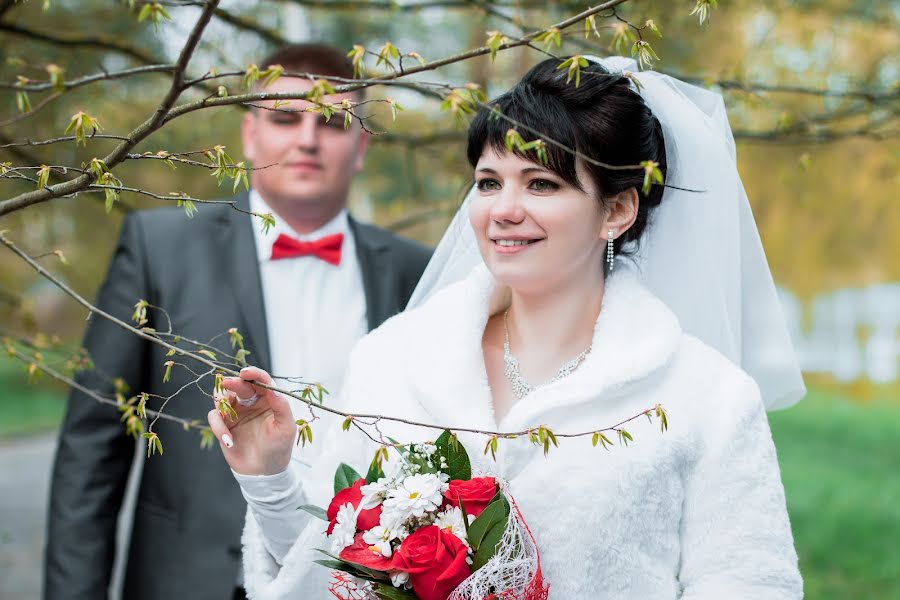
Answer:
(264, 240)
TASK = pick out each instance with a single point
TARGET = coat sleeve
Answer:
(267, 577)
(735, 534)
(94, 454)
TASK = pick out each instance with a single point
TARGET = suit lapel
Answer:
(234, 235)
(378, 274)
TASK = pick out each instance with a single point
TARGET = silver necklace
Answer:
(520, 386)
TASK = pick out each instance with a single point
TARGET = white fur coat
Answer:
(697, 512)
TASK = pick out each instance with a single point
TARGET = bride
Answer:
(567, 295)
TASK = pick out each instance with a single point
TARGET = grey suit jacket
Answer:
(186, 535)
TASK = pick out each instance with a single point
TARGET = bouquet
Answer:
(427, 530)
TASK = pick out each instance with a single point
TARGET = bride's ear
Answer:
(623, 210)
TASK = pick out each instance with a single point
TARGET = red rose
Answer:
(476, 493)
(361, 553)
(435, 560)
(366, 520)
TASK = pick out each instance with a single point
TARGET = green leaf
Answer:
(43, 176)
(315, 511)
(702, 9)
(206, 438)
(344, 477)
(334, 565)
(154, 444)
(190, 209)
(22, 102)
(271, 74)
(268, 221)
(458, 464)
(487, 530)
(494, 41)
(389, 592)
(375, 472)
(550, 38)
(356, 57)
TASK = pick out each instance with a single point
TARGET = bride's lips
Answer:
(513, 245)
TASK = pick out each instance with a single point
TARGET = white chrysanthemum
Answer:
(344, 530)
(452, 520)
(399, 578)
(415, 496)
(380, 537)
(375, 493)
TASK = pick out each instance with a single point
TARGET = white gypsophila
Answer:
(344, 529)
(452, 520)
(380, 537)
(416, 495)
(399, 578)
(425, 449)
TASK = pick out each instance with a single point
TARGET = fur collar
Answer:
(443, 365)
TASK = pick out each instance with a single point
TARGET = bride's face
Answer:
(535, 230)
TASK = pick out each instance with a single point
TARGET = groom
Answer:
(301, 294)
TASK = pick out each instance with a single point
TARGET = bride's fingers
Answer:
(244, 392)
(256, 374)
(220, 429)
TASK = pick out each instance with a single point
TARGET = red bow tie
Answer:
(327, 248)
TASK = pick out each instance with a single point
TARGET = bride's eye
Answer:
(542, 185)
(488, 185)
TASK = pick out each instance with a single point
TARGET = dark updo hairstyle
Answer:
(603, 118)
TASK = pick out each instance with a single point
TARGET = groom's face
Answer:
(307, 160)
(536, 231)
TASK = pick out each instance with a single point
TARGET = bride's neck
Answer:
(553, 326)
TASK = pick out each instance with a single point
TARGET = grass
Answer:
(839, 463)
(26, 409)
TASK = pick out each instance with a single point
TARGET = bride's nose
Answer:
(507, 208)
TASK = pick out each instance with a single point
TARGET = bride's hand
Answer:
(259, 441)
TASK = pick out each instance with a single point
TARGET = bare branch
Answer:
(247, 24)
(74, 83)
(166, 113)
(145, 129)
(94, 43)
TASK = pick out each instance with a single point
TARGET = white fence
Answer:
(850, 333)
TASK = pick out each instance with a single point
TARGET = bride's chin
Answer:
(517, 278)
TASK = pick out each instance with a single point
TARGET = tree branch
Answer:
(95, 43)
(247, 24)
(74, 83)
(145, 129)
(166, 113)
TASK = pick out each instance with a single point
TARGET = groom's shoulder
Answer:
(177, 218)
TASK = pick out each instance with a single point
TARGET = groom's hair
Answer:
(314, 58)
(602, 118)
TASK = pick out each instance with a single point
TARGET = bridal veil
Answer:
(701, 253)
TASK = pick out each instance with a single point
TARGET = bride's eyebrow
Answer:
(529, 170)
(487, 170)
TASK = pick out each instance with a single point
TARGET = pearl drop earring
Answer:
(609, 250)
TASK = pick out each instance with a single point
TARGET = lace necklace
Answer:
(520, 386)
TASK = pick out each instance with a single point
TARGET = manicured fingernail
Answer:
(247, 401)
(226, 439)
(244, 369)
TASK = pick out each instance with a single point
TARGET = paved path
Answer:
(24, 485)
(24, 489)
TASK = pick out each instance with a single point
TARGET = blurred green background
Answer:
(821, 171)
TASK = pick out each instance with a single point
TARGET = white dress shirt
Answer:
(315, 311)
